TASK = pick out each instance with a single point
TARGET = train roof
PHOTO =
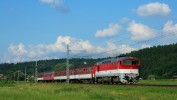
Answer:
(113, 60)
(84, 66)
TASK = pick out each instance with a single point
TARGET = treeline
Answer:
(43, 66)
(157, 61)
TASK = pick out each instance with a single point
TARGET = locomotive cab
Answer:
(131, 73)
(131, 62)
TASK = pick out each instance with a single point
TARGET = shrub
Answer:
(152, 77)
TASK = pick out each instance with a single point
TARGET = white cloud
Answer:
(17, 50)
(41, 51)
(169, 33)
(126, 48)
(116, 50)
(112, 30)
(154, 9)
(54, 3)
(145, 46)
(140, 31)
(57, 4)
(47, 1)
(169, 27)
(124, 20)
(20, 52)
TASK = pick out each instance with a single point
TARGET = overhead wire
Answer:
(137, 43)
(124, 39)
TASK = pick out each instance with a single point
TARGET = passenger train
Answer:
(115, 70)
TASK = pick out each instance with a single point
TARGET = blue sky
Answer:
(40, 29)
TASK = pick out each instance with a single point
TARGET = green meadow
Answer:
(58, 91)
(159, 82)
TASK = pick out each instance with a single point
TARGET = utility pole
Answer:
(25, 73)
(67, 64)
(18, 75)
(36, 72)
(14, 76)
(11, 76)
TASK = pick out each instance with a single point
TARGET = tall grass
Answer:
(6, 83)
(54, 91)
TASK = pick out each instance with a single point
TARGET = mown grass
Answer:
(58, 91)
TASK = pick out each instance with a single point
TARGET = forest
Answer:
(157, 61)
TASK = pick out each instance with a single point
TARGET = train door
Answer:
(98, 68)
(118, 65)
(95, 70)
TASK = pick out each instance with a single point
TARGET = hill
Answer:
(43, 66)
(157, 61)
(160, 61)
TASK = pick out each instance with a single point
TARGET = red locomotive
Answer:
(114, 70)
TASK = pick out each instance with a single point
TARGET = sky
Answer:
(40, 29)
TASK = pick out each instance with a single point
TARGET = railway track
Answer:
(133, 85)
(153, 85)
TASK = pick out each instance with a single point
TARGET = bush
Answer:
(152, 77)
(6, 83)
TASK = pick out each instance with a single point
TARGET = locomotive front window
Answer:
(130, 62)
(134, 62)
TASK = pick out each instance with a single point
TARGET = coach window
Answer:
(89, 70)
(120, 62)
(98, 68)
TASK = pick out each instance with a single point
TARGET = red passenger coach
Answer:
(75, 75)
(45, 77)
(114, 70)
(49, 76)
(40, 77)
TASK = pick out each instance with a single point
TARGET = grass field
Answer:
(58, 91)
(159, 82)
